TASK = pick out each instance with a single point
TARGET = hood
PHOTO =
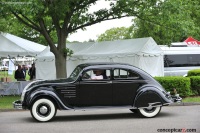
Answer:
(40, 82)
(54, 81)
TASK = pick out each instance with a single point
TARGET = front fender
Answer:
(150, 96)
(46, 92)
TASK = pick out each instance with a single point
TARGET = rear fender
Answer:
(150, 96)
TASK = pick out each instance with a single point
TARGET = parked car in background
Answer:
(115, 86)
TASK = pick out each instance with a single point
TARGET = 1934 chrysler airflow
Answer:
(122, 86)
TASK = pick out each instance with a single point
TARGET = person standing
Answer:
(19, 75)
(24, 70)
(32, 71)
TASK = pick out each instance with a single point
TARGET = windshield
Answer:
(75, 73)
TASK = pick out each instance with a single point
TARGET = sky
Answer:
(93, 31)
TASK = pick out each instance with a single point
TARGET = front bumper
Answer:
(17, 104)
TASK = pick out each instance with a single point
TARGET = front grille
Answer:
(67, 91)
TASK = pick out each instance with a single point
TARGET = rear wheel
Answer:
(149, 112)
(43, 110)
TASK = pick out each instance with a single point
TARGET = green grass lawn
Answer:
(6, 101)
(192, 99)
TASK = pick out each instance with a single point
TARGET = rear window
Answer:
(125, 74)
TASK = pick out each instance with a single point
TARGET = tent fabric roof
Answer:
(130, 47)
(15, 46)
(75, 47)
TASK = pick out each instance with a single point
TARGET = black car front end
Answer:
(20, 104)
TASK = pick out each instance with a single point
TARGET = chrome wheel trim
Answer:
(43, 109)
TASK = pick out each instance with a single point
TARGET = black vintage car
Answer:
(96, 85)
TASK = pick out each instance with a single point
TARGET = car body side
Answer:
(112, 93)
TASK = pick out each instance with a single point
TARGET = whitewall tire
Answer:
(43, 110)
(149, 112)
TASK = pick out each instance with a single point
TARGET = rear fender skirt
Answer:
(150, 96)
(47, 93)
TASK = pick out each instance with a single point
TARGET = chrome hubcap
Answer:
(43, 110)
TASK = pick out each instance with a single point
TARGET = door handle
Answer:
(109, 82)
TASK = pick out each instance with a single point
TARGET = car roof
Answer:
(98, 65)
(103, 63)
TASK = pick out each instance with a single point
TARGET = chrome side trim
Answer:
(103, 107)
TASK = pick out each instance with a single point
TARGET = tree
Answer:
(91, 40)
(12, 26)
(3, 28)
(169, 21)
(64, 17)
(118, 33)
(27, 33)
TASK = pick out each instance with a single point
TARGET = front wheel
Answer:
(43, 110)
(149, 112)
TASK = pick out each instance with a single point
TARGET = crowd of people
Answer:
(20, 73)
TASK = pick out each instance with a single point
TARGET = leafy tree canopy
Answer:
(3, 22)
(115, 34)
(170, 21)
(60, 18)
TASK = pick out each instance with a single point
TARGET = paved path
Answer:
(100, 121)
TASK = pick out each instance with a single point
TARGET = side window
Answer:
(96, 74)
(87, 75)
(125, 74)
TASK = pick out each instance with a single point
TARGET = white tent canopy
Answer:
(143, 53)
(45, 61)
(130, 47)
(76, 47)
(14, 46)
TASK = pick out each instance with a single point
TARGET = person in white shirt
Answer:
(98, 75)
